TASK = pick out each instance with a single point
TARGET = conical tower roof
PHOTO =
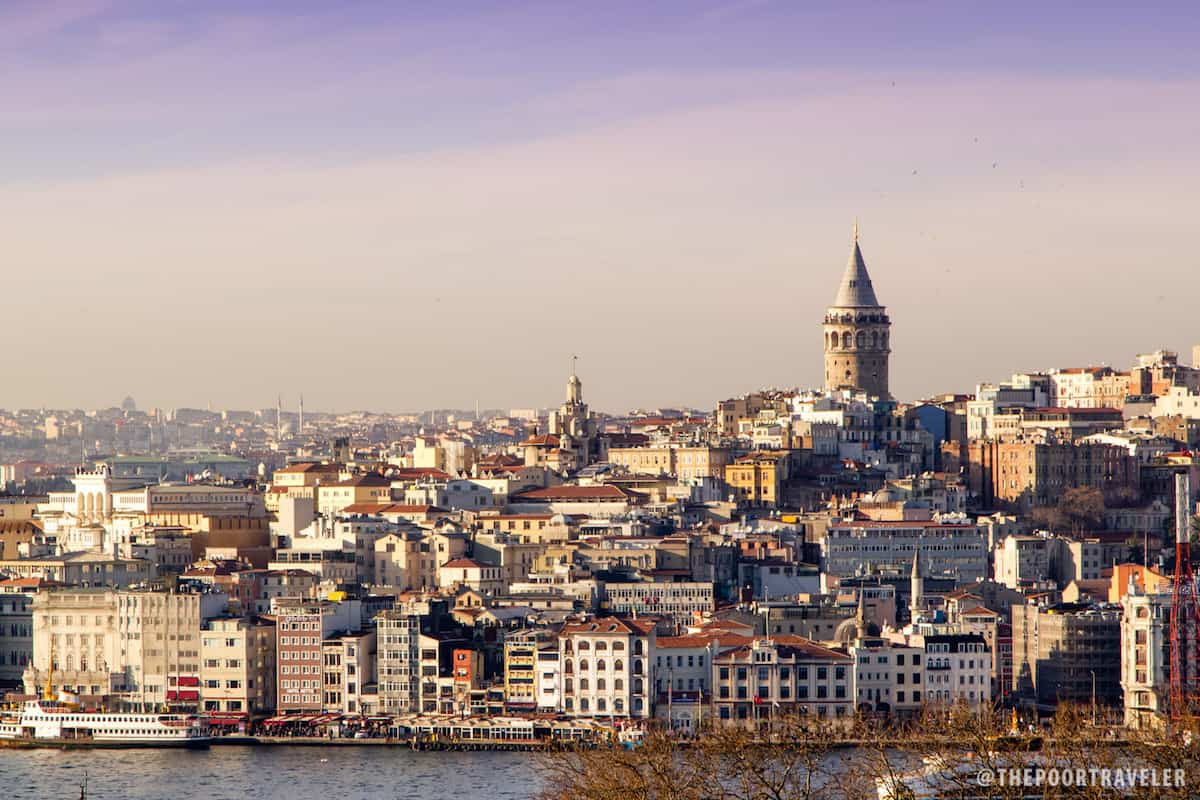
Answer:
(856, 290)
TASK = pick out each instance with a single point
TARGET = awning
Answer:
(225, 721)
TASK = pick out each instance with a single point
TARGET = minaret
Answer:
(916, 588)
(278, 417)
(856, 332)
(860, 617)
(300, 421)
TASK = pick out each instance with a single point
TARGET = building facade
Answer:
(781, 676)
(237, 667)
(607, 668)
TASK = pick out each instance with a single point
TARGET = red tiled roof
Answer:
(32, 583)
(307, 467)
(985, 611)
(609, 625)
(412, 473)
(726, 624)
(370, 479)
(797, 644)
(466, 563)
(366, 508)
(545, 440)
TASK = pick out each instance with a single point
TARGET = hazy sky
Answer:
(399, 205)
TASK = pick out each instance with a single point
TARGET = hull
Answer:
(102, 744)
(50, 724)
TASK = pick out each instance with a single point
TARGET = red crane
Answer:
(1185, 612)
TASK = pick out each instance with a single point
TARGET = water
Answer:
(267, 773)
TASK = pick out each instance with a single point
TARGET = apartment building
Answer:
(237, 669)
(134, 650)
(955, 550)
(302, 626)
(1146, 658)
(782, 676)
(607, 668)
(348, 661)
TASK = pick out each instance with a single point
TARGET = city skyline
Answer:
(402, 211)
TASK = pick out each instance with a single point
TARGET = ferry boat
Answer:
(54, 722)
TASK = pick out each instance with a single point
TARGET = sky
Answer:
(397, 206)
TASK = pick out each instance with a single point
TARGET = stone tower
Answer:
(857, 332)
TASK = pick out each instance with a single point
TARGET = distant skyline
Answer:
(398, 207)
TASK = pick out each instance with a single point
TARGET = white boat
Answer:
(58, 721)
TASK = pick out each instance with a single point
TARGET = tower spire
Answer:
(860, 616)
(856, 289)
(916, 587)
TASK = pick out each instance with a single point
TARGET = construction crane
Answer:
(1185, 611)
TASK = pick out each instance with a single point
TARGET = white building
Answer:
(954, 550)
(888, 675)
(549, 680)
(349, 665)
(956, 667)
(137, 650)
(680, 601)
(1145, 658)
(607, 668)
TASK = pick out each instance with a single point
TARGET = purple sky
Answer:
(400, 205)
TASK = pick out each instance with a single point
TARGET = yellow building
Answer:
(684, 463)
(298, 480)
(521, 670)
(644, 460)
(370, 488)
(756, 480)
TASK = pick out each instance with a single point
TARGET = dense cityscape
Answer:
(528, 575)
(503, 400)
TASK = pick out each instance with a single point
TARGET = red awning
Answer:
(189, 680)
(186, 694)
(225, 721)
